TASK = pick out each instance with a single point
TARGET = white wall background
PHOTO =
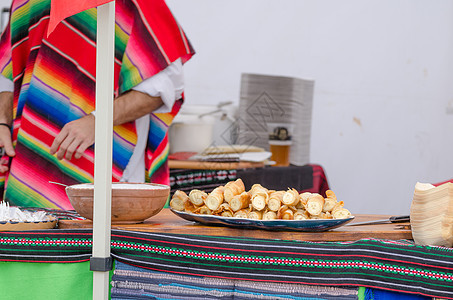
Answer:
(4, 17)
(383, 102)
(384, 83)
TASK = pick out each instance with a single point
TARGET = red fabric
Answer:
(181, 155)
(320, 184)
(61, 9)
(163, 25)
(440, 183)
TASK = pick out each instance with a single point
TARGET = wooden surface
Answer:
(167, 222)
(204, 165)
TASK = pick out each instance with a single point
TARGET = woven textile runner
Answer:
(384, 264)
(206, 180)
(131, 282)
(307, 178)
(54, 83)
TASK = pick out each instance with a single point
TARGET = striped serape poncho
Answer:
(54, 83)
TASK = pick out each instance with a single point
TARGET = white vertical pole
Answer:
(103, 144)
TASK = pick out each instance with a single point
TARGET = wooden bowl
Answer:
(131, 202)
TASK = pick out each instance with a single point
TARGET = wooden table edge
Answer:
(167, 222)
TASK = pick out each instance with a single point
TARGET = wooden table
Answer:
(167, 222)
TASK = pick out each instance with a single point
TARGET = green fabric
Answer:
(25, 280)
(361, 294)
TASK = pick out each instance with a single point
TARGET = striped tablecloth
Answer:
(383, 264)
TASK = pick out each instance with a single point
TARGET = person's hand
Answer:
(7, 144)
(74, 137)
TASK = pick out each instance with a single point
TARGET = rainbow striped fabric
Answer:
(54, 83)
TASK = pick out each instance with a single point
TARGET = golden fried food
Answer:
(197, 197)
(240, 201)
(291, 197)
(315, 204)
(233, 188)
(275, 200)
(260, 203)
(215, 198)
(178, 200)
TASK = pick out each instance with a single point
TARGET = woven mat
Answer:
(130, 282)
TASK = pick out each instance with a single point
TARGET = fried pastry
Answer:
(197, 197)
(240, 201)
(203, 210)
(331, 194)
(285, 213)
(291, 197)
(270, 215)
(178, 200)
(301, 214)
(189, 207)
(304, 197)
(275, 200)
(341, 213)
(224, 207)
(329, 204)
(326, 215)
(215, 198)
(337, 205)
(256, 188)
(315, 204)
(227, 214)
(241, 214)
(255, 215)
(259, 197)
(233, 188)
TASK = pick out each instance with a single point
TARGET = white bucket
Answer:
(197, 127)
(190, 133)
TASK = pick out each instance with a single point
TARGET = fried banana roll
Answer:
(315, 204)
(203, 210)
(215, 198)
(329, 204)
(285, 213)
(326, 215)
(301, 214)
(240, 201)
(275, 200)
(233, 188)
(338, 205)
(304, 197)
(291, 197)
(255, 215)
(259, 197)
(227, 214)
(241, 214)
(197, 197)
(329, 201)
(224, 207)
(341, 213)
(331, 194)
(257, 187)
(178, 200)
(270, 215)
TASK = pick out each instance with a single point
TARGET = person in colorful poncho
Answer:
(47, 98)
